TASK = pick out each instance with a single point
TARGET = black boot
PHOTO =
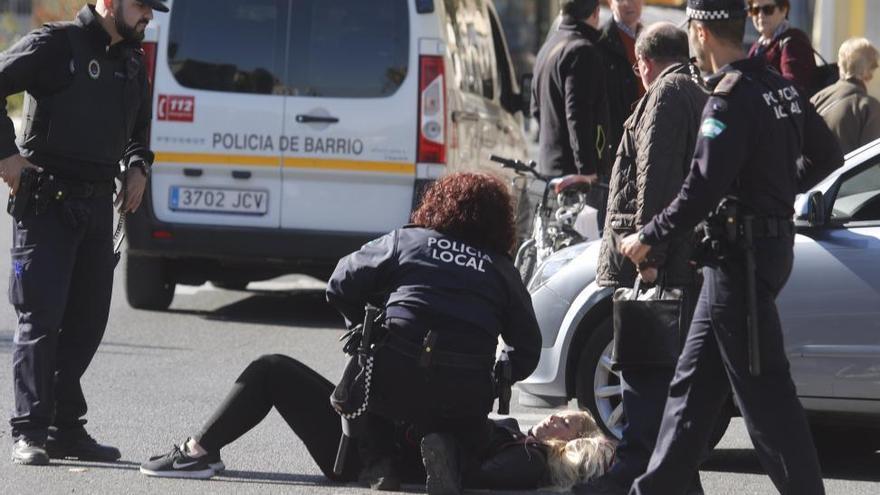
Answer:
(29, 452)
(77, 443)
(442, 464)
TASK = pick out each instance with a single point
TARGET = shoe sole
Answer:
(441, 478)
(197, 475)
(218, 466)
(30, 462)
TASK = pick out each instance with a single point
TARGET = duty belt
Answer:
(411, 349)
(67, 189)
(771, 227)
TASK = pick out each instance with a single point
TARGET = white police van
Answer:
(287, 133)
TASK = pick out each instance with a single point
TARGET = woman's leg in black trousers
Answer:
(300, 395)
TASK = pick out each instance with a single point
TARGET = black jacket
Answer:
(652, 161)
(623, 85)
(569, 101)
(42, 63)
(468, 295)
(754, 129)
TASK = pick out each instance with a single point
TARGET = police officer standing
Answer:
(755, 126)
(87, 107)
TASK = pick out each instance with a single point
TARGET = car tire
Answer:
(601, 393)
(147, 285)
(835, 442)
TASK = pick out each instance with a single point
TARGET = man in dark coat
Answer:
(652, 162)
(618, 42)
(569, 95)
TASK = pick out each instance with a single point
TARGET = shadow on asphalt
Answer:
(306, 308)
(841, 467)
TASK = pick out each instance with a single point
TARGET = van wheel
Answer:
(147, 285)
(598, 388)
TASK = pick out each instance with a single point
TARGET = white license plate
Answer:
(216, 200)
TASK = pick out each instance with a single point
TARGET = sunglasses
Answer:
(767, 10)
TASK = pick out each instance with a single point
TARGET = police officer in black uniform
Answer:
(449, 289)
(87, 107)
(754, 129)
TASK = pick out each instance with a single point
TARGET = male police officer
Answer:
(754, 128)
(87, 107)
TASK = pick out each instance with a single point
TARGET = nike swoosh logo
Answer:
(184, 465)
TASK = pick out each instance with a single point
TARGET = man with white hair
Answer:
(850, 112)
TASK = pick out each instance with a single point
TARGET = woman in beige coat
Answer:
(852, 114)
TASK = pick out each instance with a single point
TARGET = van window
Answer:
(473, 55)
(348, 48)
(229, 45)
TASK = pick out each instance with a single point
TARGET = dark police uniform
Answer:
(87, 106)
(755, 127)
(468, 296)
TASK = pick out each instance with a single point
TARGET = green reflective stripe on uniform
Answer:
(712, 128)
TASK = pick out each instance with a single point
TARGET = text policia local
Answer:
(294, 144)
(458, 253)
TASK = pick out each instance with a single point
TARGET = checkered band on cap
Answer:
(707, 15)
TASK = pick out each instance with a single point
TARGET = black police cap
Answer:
(158, 5)
(715, 10)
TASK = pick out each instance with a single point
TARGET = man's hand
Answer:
(134, 182)
(11, 168)
(648, 274)
(633, 249)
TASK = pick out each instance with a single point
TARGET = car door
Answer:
(349, 140)
(831, 304)
(218, 114)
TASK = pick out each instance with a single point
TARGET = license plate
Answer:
(216, 200)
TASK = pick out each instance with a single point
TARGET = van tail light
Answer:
(432, 110)
(150, 61)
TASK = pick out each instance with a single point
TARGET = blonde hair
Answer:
(582, 459)
(857, 58)
(579, 460)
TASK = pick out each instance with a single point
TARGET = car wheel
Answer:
(599, 390)
(598, 387)
(147, 285)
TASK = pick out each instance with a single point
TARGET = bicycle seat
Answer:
(573, 183)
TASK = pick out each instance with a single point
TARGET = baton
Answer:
(754, 346)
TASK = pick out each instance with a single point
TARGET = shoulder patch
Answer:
(712, 128)
(727, 83)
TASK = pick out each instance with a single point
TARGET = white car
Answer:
(288, 133)
(830, 311)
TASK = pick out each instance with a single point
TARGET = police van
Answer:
(287, 133)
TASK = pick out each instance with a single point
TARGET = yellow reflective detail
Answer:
(289, 162)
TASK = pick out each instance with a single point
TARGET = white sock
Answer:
(193, 449)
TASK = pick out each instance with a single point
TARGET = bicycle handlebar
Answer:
(520, 167)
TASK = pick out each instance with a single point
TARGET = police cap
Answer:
(715, 10)
(158, 5)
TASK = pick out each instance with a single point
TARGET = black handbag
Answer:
(647, 328)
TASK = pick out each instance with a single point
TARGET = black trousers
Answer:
(60, 285)
(714, 362)
(644, 393)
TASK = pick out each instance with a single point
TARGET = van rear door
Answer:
(350, 120)
(219, 113)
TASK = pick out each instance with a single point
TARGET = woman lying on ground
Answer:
(563, 449)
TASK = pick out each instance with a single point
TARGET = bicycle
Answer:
(555, 226)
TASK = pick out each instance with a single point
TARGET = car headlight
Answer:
(553, 264)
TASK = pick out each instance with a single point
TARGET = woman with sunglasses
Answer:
(785, 48)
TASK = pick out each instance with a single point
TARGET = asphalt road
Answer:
(158, 375)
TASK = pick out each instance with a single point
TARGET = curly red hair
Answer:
(475, 208)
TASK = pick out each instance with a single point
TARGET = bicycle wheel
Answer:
(526, 259)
